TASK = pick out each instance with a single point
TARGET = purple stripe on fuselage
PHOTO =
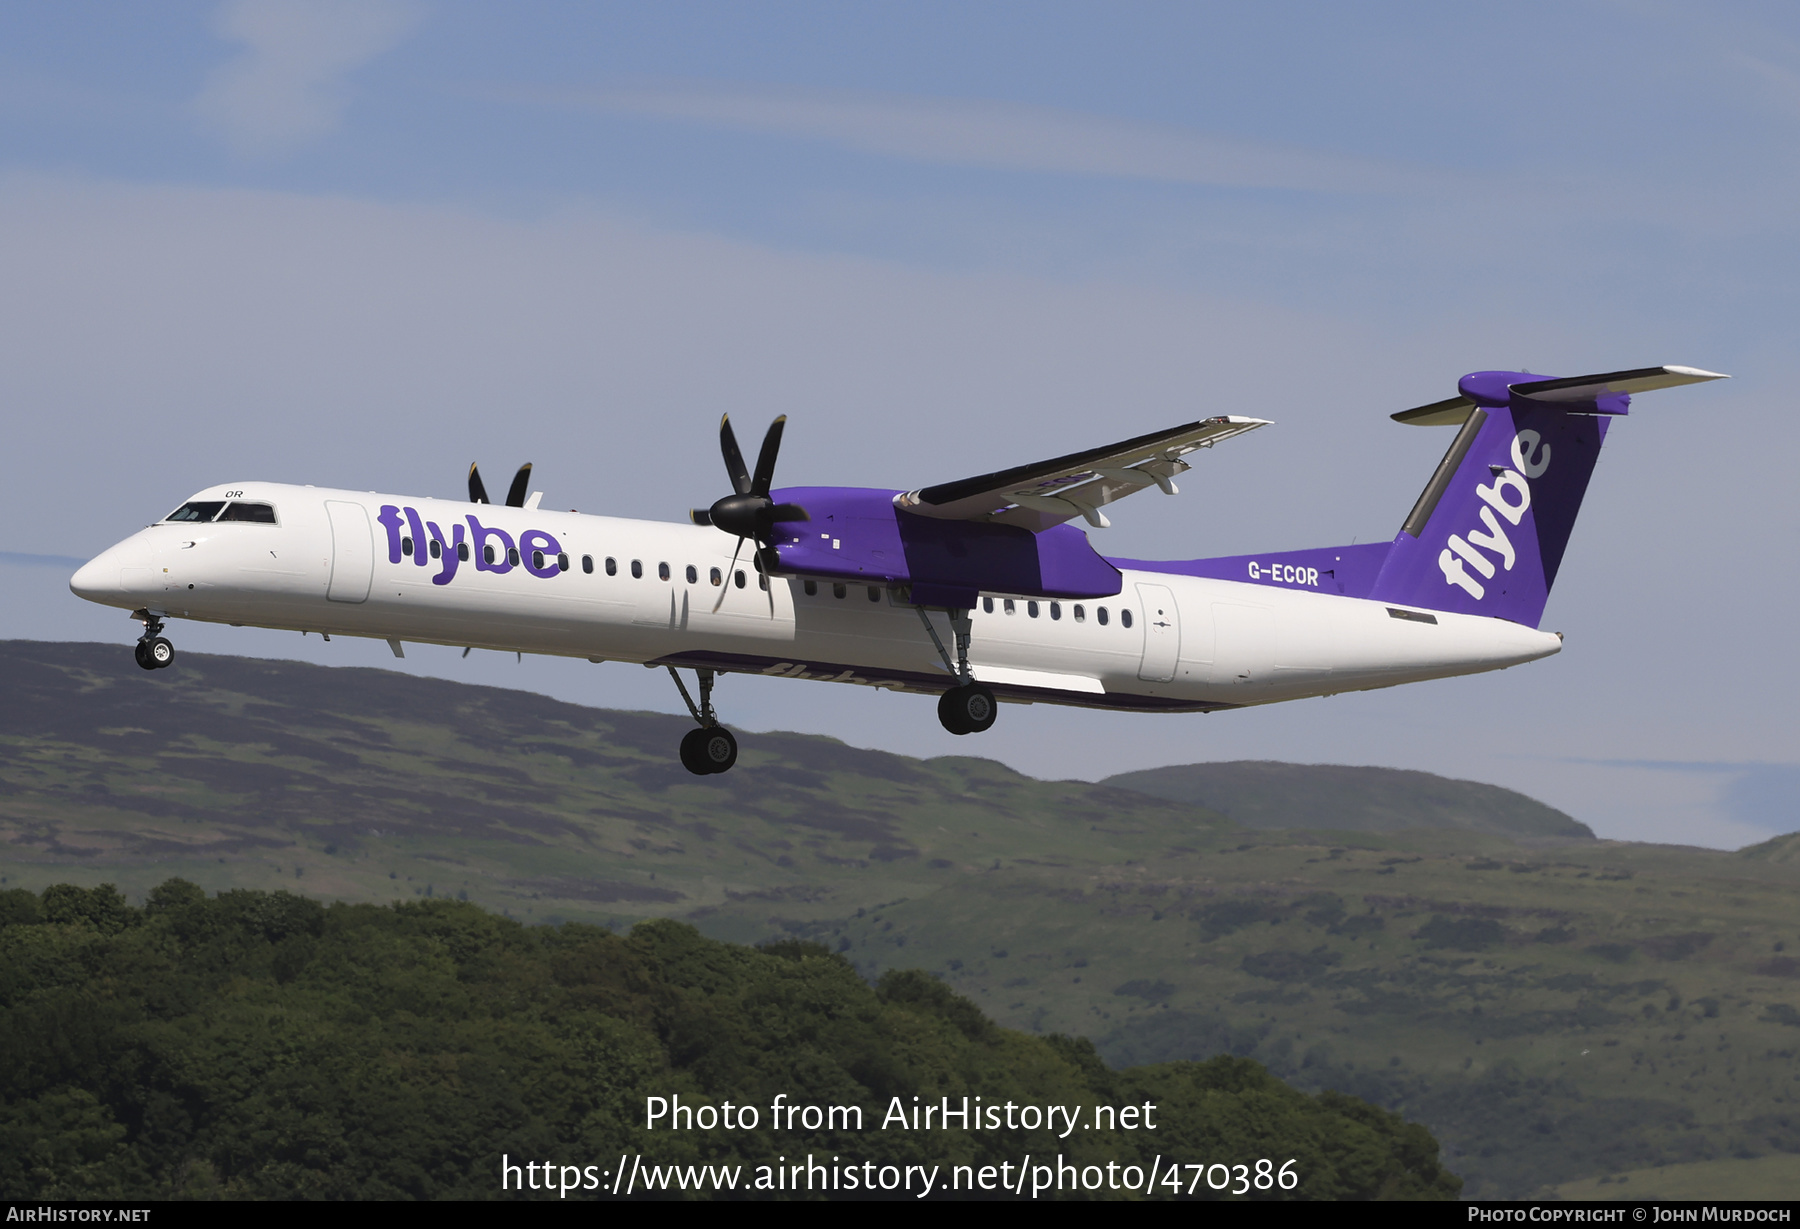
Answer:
(1346, 571)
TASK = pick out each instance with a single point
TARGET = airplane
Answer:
(977, 591)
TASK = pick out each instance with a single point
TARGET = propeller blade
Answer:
(515, 497)
(734, 459)
(765, 460)
(726, 587)
(700, 516)
(788, 512)
(477, 492)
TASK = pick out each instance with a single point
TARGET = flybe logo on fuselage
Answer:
(491, 550)
(1507, 497)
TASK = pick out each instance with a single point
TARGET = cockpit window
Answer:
(199, 510)
(261, 514)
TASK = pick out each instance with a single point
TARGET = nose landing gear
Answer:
(152, 651)
(711, 748)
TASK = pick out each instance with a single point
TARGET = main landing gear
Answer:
(711, 748)
(152, 651)
(968, 708)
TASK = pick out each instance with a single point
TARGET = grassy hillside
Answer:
(1267, 794)
(1551, 1013)
(1781, 849)
(260, 1045)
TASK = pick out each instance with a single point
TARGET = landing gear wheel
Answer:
(719, 749)
(159, 653)
(708, 750)
(968, 709)
(141, 652)
(690, 753)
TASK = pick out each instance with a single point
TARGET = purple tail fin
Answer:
(1488, 535)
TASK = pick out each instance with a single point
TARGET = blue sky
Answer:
(363, 244)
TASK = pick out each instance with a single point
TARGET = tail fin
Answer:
(1488, 534)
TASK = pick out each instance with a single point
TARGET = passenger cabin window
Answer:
(716, 576)
(738, 576)
(256, 514)
(1100, 613)
(487, 553)
(437, 549)
(1031, 609)
(1009, 607)
(1080, 613)
(612, 566)
(562, 563)
(1125, 618)
(1055, 611)
(512, 555)
(587, 564)
(987, 605)
(812, 588)
(462, 551)
(637, 569)
(693, 577)
(662, 571)
(199, 510)
(874, 593)
(838, 591)
(406, 547)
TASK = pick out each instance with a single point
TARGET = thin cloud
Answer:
(288, 86)
(1005, 136)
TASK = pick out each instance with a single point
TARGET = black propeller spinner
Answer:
(515, 496)
(748, 512)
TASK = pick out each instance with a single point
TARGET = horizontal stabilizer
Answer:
(1449, 413)
(1454, 411)
(1592, 388)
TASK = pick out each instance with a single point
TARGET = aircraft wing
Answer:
(1036, 497)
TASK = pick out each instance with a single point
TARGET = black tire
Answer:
(948, 715)
(141, 652)
(968, 709)
(718, 750)
(692, 754)
(160, 652)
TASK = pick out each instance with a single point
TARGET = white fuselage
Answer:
(1165, 642)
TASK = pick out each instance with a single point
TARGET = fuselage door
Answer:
(1162, 633)
(352, 552)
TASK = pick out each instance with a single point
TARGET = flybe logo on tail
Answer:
(492, 550)
(1505, 499)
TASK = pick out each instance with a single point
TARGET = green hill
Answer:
(1553, 1014)
(1780, 849)
(258, 1045)
(1267, 794)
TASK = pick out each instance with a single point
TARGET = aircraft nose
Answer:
(97, 579)
(115, 574)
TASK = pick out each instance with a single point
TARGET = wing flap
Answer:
(1047, 493)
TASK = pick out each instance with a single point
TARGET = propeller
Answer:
(748, 511)
(515, 495)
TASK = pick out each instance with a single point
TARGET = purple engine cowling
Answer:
(859, 534)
